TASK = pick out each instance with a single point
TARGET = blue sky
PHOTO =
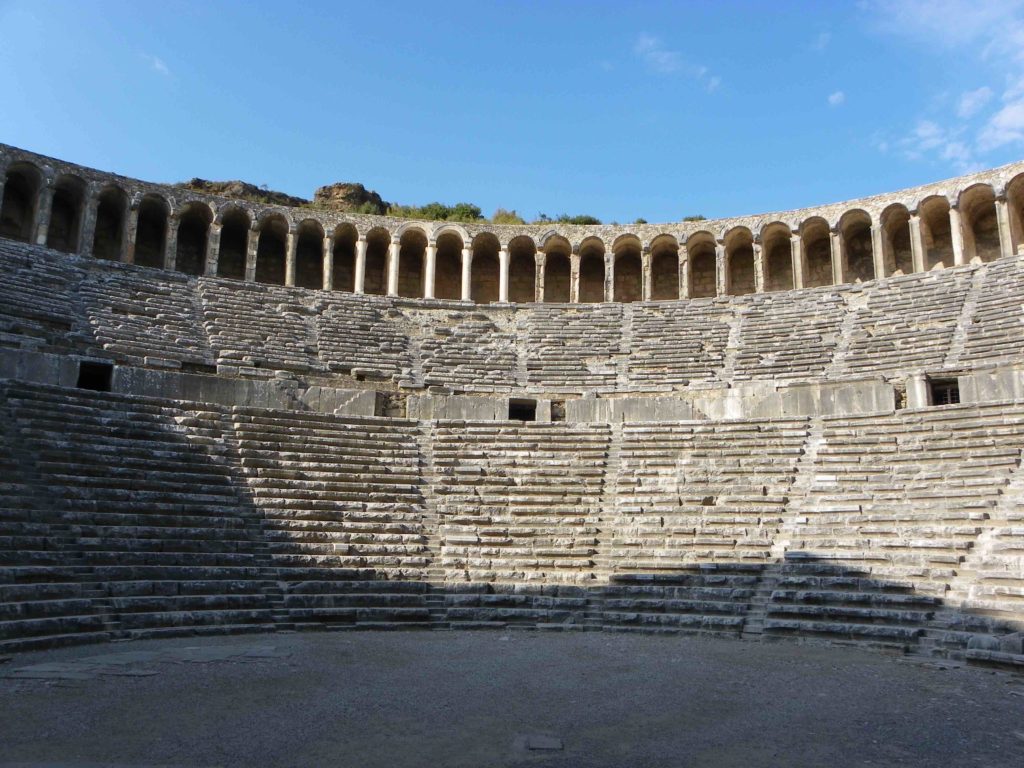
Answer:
(653, 110)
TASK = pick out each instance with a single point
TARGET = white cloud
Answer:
(971, 102)
(836, 98)
(157, 64)
(656, 56)
(820, 43)
(989, 32)
(665, 61)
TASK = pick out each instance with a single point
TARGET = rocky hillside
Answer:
(341, 196)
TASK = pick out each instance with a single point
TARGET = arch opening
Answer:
(309, 255)
(486, 272)
(855, 229)
(344, 258)
(448, 267)
(664, 269)
(522, 270)
(936, 233)
(412, 251)
(193, 235)
(378, 240)
(234, 244)
(66, 215)
(817, 242)
(151, 232)
(271, 250)
(778, 259)
(898, 252)
(703, 257)
(739, 255)
(628, 271)
(108, 236)
(980, 224)
(18, 208)
(591, 277)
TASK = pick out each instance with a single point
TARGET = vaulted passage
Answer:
(557, 277)
(486, 272)
(739, 253)
(628, 272)
(18, 210)
(344, 258)
(703, 267)
(110, 213)
(522, 270)
(309, 255)
(980, 227)
(817, 242)
(234, 244)
(66, 215)
(193, 231)
(270, 251)
(591, 281)
(411, 262)
(664, 269)
(936, 233)
(375, 279)
(778, 258)
(151, 232)
(855, 228)
(448, 271)
(898, 252)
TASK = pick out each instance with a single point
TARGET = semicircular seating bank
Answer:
(221, 416)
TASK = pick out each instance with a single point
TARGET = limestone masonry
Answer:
(220, 416)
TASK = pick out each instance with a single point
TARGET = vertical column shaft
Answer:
(251, 249)
(759, 268)
(878, 251)
(540, 260)
(212, 249)
(838, 258)
(87, 234)
(956, 234)
(44, 210)
(430, 267)
(394, 254)
(684, 272)
(328, 268)
(467, 274)
(503, 275)
(721, 270)
(609, 276)
(1005, 230)
(130, 228)
(291, 244)
(574, 278)
(359, 282)
(796, 250)
(646, 288)
(916, 243)
(171, 242)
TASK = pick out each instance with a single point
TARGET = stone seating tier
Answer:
(943, 319)
(125, 516)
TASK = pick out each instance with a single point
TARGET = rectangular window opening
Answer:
(522, 410)
(95, 376)
(945, 391)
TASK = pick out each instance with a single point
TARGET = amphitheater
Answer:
(224, 417)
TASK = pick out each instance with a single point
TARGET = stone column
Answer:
(540, 260)
(609, 276)
(646, 278)
(467, 274)
(918, 391)
(328, 268)
(796, 250)
(430, 268)
(291, 243)
(1005, 230)
(684, 272)
(130, 228)
(758, 268)
(838, 258)
(171, 242)
(721, 270)
(213, 249)
(44, 209)
(916, 243)
(251, 249)
(574, 278)
(394, 255)
(503, 275)
(359, 279)
(878, 251)
(956, 233)
(87, 233)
